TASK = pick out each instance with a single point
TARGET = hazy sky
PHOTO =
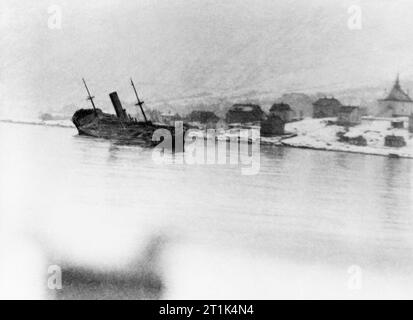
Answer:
(184, 47)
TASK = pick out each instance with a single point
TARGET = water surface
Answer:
(96, 203)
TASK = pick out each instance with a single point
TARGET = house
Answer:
(397, 103)
(169, 118)
(272, 126)
(326, 108)
(300, 104)
(349, 116)
(282, 110)
(411, 123)
(203, 117)
(245, 113)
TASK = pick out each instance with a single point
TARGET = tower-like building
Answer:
(397, 103)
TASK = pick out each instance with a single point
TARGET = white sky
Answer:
(181, 47)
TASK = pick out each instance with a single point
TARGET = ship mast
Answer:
(140, 103)
(90, 97)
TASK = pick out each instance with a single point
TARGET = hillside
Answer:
(186, 54)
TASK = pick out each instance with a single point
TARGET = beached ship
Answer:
(122, 127)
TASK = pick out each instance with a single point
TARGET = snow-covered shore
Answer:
(67, 123)
(316, 134)
(319, 134)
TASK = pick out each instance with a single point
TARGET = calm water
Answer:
(311, 213)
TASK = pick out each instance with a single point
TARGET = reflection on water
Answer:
(95, 203)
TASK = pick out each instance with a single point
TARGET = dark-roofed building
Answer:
(397, 103)
(245, 113)
(283, 111)
(203, 117)
(349, 116)
(326, 108)
(397, 124)
(394, 141)
(272, 126)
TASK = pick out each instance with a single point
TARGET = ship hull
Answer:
(95, 123)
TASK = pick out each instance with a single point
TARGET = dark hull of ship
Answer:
(107, 126)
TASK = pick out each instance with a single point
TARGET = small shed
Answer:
(397, 124)
(394, 141)
(349, 116)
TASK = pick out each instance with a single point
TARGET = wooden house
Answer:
(349, 116)
(326, 108)
(283, 111)
(245, 113)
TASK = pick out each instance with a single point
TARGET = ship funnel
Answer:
(120, 112)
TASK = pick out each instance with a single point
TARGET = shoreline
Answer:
(280, 141)
(57, 123)
(371, 153)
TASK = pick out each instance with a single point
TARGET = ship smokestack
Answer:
(120, 112)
